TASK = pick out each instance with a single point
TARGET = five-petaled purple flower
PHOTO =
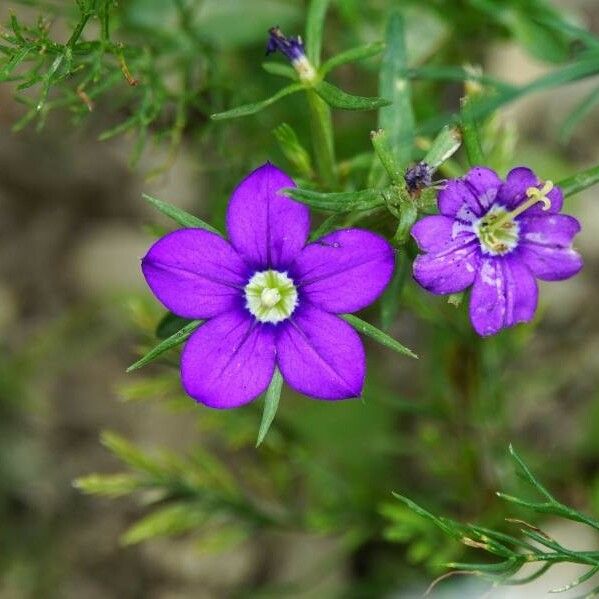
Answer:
(495, 236)
(270, 299)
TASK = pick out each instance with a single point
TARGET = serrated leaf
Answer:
(368, 329)
(173, 341)
(179, 216)
(271, 404)
(345, 201)
(249, 109)
(352, 55)
(337, 98)
(171, 520)
(108, 485)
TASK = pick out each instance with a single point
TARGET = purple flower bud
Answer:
(291, 47)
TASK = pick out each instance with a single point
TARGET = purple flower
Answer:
(269, 298)
(498, 237)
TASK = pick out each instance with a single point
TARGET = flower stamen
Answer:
(271, 296)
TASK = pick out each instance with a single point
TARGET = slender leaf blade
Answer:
(173, 341)
(271, 404)
(179, 216)
(344, 201)
(314, 28)
(337, 98)
(352, 55)
(255, 107)
(580, 181)
(368, 329)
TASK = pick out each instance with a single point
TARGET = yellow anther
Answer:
(540, 195)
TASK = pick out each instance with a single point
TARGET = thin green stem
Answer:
(321, 123)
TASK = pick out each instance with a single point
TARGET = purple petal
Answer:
(471, 196)
(546, 246)
(228, 361)
(320, 355)
(513, 192)
(265, 227)
(450, 270)
(195, 273)
(504, 294)
(436, 233)
(344, 271)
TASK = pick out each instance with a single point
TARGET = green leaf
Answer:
(397, 119)
(345, 201)
(169, 324)
(580, 181)
(367, 329)
(171, 520)
(179, 216)
(248, 109)
(337, 98)
(108, 485)
(582, 110)
(390, 298)
(293, 150)
(443, 147)
(314, 28)
(173, 341)
(271, 404)
(352, 55)
(470, 133)
(130, 454)
(280, 69)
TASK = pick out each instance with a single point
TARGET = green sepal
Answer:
(371, 331)
(271, 404)
(181, 217)
(173, 341)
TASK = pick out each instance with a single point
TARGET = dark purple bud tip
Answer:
(418, 177)
(291, 47)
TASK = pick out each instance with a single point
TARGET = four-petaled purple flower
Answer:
(495, 236)
(270, 299)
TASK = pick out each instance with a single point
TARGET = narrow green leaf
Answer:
(271, 404)
(280, 69)
(131, 455)
(582, 110)
(390, 299)
(445, 145)
(180, 216)
(337, 98)
(173, 341)
(580, 181)
(470, 132)
(169, 324)
(344, 201)
(397, 119)
(294, 151)
(381, 144)
(314, 28)
(530, 477)
(352, 55)
(248, 109)
(107, 485)
(171, 520)
(367, 329)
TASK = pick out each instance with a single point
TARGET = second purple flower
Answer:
(269, 298)
(498, 237)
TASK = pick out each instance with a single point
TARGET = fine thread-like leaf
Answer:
(337, 98)
(368, 329)
(173, 341)
(271, 404)
(180, 216)
(280, 69)
(248, 109)
(580, 181)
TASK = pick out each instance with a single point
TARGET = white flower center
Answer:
(271, 296)
(497, 240)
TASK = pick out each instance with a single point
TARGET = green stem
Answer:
(322, 138)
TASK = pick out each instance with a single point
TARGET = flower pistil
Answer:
(271, 296)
